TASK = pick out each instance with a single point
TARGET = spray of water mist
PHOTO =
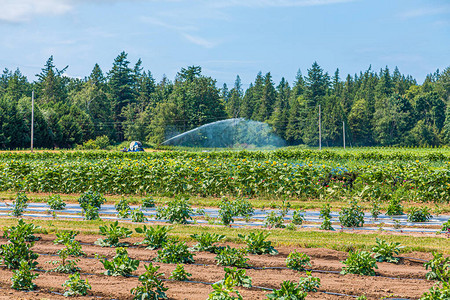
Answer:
(228, 133)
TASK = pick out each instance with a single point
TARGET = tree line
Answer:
(126, 103)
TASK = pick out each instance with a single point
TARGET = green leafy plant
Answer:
(206, 242)
(174, 253)
(298, 261)
(75, 286)
(238, 276)
(445, 227)
(226, 211)
(23, 277)
(229, 209)
(22, 231)
(154, 236)
(298, 216)
(284, 208)
(439, 267)
(256, 243)
(419, 214)
(359, 262)
(123, 208)
(395, 208)
(289, 291)
(438, 293)
(152, 287)
(352, 216)
(55, 202)
(148, 202)
(19, 204)
(180, 273)
(91, 198)
(274, 220)
(224, 290)
(64, 265)
(326, 224)
(375, 209)
(18, 248)
(138, 216)
(232, 257)
(385, 251)
(121, 264)
(113, 233)
(90, 212)
(64, 237)
(177, 211)
(325, 214)
(309, 283)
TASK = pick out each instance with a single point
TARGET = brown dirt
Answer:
(405, 280)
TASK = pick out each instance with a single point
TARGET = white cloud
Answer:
(422, 12)
(199, 41)
(24, 10)
(277, 3)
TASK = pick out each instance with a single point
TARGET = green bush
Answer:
(437, 292)
(20, 204)
(64, 265)
(180, 274)
(55, 202)
(274, 220)
(238, 276)
(395, 208)
(309, 283)
(175, 253)
(298, 261)
(256, 243)
(123, 208)
(154, 236)
(75, 286)
(137, 216)
(445, 227)
(152, 287)
(352, 216)
(419, 214)
(90, 212)
(224, 290)
(113, 233)
(177, 211)
(206, 242)
(91, 198)
(121, 264)
(439, 268)
(385, 251)
(289, 291)
(359, 262)
(298, 217)
(232, 257)
(18, 248)
(23, 278)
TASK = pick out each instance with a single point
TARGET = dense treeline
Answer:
(126, 103)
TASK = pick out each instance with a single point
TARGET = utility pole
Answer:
(343, 131)
(320, 131)
(32, 120)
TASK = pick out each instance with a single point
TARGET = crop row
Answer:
(229, 176)
(388, 154)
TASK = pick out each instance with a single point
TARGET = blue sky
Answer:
(227, 37)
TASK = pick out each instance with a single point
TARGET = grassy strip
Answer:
(341, 241)
(260, 203)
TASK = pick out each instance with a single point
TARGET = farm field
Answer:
(395, 195)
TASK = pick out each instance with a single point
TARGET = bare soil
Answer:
(405, 280)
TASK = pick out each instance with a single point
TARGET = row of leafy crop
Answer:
(17, 254)
(389, 154)
(180, 211)
(236, 177)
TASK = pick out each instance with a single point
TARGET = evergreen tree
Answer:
(234, 102)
